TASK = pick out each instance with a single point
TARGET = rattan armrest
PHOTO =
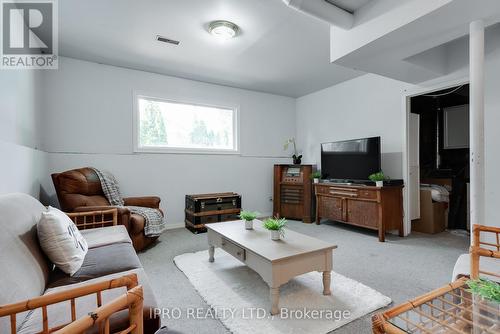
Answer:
(133, 300)
(484, 248)
(128, 281)
(93, 219)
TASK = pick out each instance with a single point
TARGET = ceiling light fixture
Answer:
(223, 30)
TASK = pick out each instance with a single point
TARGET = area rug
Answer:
(239, 297)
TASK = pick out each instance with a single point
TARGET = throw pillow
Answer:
(61, 240)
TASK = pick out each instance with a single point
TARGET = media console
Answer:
(370, 207)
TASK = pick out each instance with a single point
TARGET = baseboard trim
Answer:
(174, 226)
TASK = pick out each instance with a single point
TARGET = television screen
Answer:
(350, 160)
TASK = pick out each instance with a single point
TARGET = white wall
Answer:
(88, 122)
(366, 106)
(22, 166)
(372, 105)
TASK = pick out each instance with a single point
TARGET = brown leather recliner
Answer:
(80, 190)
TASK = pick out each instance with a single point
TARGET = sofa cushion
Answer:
(59, 314)
(136, 224)
(25, 269)
(61, 240)
(102, 236)
(98, 262)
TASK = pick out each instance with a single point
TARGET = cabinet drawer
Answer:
(367, 194)
(336, 191)
(233, 249)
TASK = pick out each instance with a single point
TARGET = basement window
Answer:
(166, 126)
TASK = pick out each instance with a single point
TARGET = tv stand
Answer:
(370, 207)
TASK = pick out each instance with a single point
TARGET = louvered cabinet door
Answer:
(292, 199)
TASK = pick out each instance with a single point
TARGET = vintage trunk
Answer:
(204, 209)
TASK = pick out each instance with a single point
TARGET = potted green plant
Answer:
(486, 296)
(276, 226)
(297, 158)
(248, 217)
(316, 176)
(484, 288)
(378, 178)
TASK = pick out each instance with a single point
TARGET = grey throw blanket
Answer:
(154, 222)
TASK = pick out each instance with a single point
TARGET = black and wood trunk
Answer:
(204, 209)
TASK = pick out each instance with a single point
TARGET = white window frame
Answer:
(183, 150)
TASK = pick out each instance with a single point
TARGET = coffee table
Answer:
(275, 261)
(451, 309)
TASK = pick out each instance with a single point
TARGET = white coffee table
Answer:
(275, 261)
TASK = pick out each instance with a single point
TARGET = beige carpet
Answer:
(240, 298)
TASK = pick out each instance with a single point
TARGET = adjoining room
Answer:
(442, 153)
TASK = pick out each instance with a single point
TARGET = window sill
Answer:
(143, 150)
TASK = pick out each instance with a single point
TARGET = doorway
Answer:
(437, 160)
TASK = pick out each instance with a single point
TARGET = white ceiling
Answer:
(349, 5)
(279, 50)
(416, 40)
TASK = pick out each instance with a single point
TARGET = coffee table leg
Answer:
(327, 277)
(275, 300)
(211, 251)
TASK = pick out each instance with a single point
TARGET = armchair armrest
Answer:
(92, 219)
(146, 201)
(128, 281)
(123, 213)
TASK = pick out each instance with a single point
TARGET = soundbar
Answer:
(387, 183)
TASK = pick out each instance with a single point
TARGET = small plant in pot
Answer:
(316, 176)
(378, 178)
(486, 296)
(486, 289)
(276, 226)
(248, 217)
(297, 158)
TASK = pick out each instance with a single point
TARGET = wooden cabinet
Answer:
(375, 208)
(293, 192)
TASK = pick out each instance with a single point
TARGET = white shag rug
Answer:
(240, 298)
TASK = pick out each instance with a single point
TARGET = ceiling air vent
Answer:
(166, 40)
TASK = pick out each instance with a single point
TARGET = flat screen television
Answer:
(350, 160)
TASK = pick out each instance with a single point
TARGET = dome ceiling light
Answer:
(223, 30)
